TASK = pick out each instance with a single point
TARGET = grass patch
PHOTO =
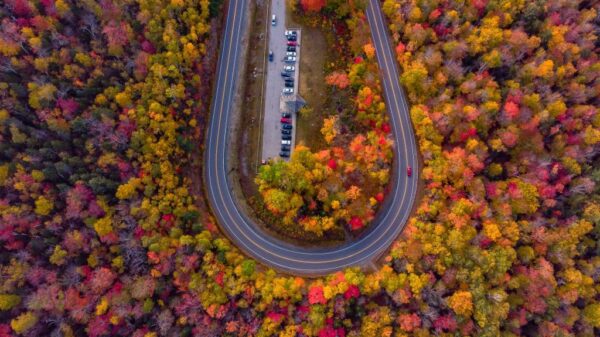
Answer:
(312, 87)
(321, 98)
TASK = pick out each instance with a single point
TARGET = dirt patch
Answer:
(312, 87)
(249, 142)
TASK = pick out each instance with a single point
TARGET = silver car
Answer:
(286, 142)
(289, 59)
(288, 91)
(289, 69)
(290, 53)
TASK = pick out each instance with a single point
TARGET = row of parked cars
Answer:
(290, 58)
(286, 134)
(288, 89)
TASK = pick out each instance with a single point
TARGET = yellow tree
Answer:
(461, 302)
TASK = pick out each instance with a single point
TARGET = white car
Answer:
(289, 69)
(290, 53)
(286, 142)
(289, 59)
(288, 91)
(290, 32)
(273, 20)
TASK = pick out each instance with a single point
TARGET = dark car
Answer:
(287, 126)
(284, 154)
(286, 137)
(292, 37)
(286, 132)
(270, 56)
(286, 115)
(291, 48)
(286, 120)
(289, 84)
(284, 74)
(285, 147)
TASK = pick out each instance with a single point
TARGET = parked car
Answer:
(284, 74)
(288, 91)
(287, 126)
(409, 171)
(285, 147)
(286, 142)
(291, 48)
(284, 154)
(292, 37)
(270, 56)
(292, 43)
(286, 137)
(291, 32)
(290, 53)
(289, 84)
(286, 132)
(286, 115)
(289, 69)
(289, 59)
(273, 20)
(286, 120)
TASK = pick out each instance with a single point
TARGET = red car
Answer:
(409, 171)
(292, 43)
(286, 121)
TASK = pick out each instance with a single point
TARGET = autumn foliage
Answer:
(312, 5)
(102, 103)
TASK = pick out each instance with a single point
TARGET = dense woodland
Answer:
(102, 103)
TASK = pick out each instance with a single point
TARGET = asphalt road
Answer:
(271, 132)
(241, 229)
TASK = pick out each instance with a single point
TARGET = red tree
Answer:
(312, 5)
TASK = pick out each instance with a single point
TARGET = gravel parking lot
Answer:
(275, 102)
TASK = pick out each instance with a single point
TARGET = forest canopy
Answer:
(102, 233)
